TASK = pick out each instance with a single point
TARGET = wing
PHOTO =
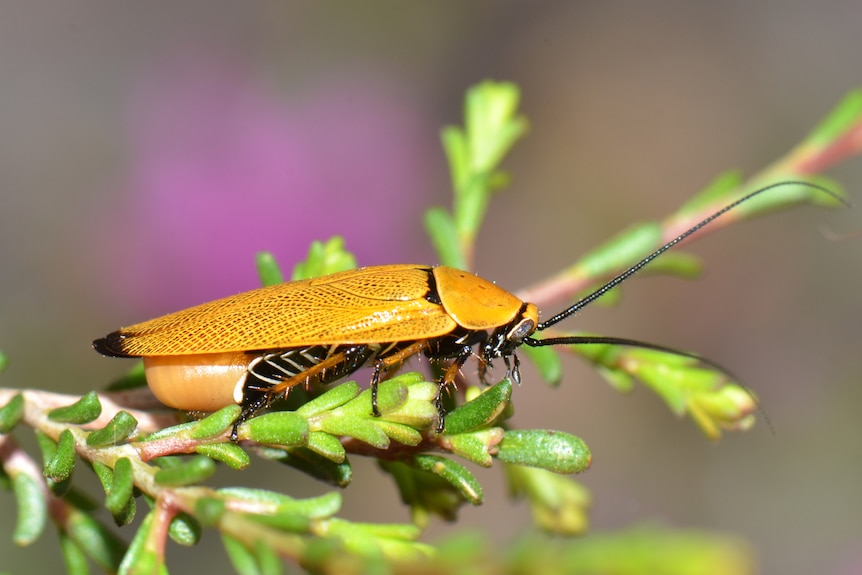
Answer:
(368, 305)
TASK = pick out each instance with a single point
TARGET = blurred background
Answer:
(148, 151)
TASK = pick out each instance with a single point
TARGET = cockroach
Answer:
(253, 347)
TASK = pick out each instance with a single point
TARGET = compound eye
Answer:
(521, 330)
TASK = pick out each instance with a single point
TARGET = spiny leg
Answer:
(447, 379)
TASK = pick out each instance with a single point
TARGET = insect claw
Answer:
(516, 369)
(441, 411)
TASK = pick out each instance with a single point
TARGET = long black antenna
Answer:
(601, 339)
(587, 300)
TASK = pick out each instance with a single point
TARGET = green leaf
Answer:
(731, 408)
(119, 500)
(376, 541)
(847, 113)
(230, 454)
(209, 510)
(11, 413)
(59, 468)
(85, 410)
(426, 493)
(279, 428)
(195, 470)
(333, 398)
(674, 383)
(444, 237)
(32, 509)
(407, 401)
(677, 264)
(686, 384)
(319, 507)
(403, 434)
(475, 446)
(331, 471)
(324, 259)
(289, 522)
(620, 252)
(73, 556)
(216, 423)
(141, 558)
(242, 559)
(392, 394)
(326, 445)
(819, 198)
(455, 147)
(117, 431)
(454, 473)
(267, 559)
(364, 430)
(481, 411)
(184, 529)
(617, 378)
(172, 431)
(399, 404)
(784, 194)
(641, 549)
(558, 504)
(49, 447)
(474, 153)
(555, 451)
(104, 473)
(402, 531)
(491, 124)
(99, 543)
(268, 270)
(722, 189)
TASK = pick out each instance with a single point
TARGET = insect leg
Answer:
(483, 367)
(449, 378)
(513, 368)
(277, 372)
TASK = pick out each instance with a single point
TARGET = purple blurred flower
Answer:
(222, 168)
